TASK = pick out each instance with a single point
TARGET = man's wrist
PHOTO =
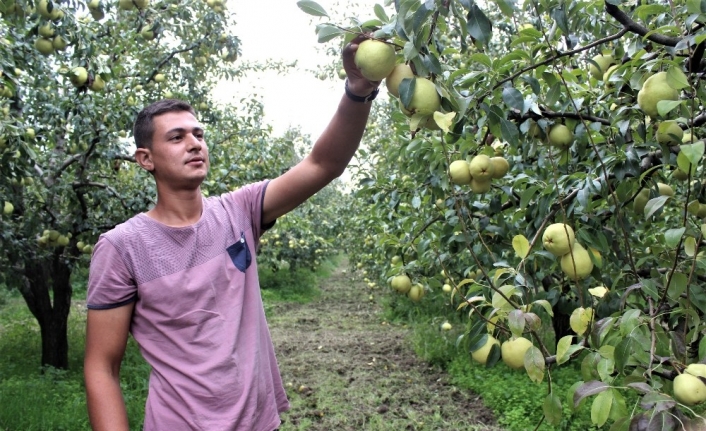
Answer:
(362, 99)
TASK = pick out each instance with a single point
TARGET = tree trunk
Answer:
(43, 276)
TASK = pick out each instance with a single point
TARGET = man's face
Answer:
(179, 155)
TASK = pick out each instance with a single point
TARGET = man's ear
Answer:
(143, 157)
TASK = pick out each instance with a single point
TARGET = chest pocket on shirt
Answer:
(240, 253)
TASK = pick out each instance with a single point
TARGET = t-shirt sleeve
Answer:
(249, 199)
(110, 284)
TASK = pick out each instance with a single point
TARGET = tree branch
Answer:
(633, 27)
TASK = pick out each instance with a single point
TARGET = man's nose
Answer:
(194, 142)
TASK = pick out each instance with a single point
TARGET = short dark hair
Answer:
(143, 129)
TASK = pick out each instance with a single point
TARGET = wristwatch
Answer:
(363, 99)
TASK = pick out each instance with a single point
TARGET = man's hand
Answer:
(357, 83)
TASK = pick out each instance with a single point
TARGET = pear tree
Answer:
(572, 96)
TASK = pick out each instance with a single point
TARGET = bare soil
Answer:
(345, 368)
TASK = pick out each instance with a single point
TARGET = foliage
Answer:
(508, 73)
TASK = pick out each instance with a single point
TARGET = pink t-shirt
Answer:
(198, 319)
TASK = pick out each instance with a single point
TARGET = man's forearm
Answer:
(106, 407)
(339, 141)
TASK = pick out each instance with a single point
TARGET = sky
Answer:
(279, 30)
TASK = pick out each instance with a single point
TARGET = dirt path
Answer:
(346, 369)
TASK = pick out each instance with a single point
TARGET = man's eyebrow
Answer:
(182, 130)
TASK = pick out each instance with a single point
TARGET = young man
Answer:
(182, 277)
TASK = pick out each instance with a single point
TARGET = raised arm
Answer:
(106, 337)
(332, 151)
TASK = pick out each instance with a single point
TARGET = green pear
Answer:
(126, 4)
(654, 90)
(679, 174)
(580, 266)
(638, 205)
(459, 172)
(393, 80)
(59, 43)
(669, 133)
(8, 208)
(97, 84)
(560, 136)
(401, 283)
(47, 9)
(500, 166)
(416, 292)
(375, 59)
(46, 30)
(481, 167)
(689, 389)
(425, 99)
(513, 352)
(558, 239)
(43, 45)
(607, 74)
(480, 186)
(603, 61)
(665, 189)
(481, 355)
(342, 74)
(696, 369)
(78, 76)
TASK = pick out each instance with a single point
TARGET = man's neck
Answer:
(178, 209)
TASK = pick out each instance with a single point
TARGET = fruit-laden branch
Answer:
(517, 115)
(171, 55)
(633, 27)
(553, 58)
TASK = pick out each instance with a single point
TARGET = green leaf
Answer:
(510, 132)
(444, 121)
(696, 7)
(665, 106)
(478, 25)
(677, 285)
(693, 152)
(580, 318)
(673, 236)
(506, 7)
(546, 305)
(684, 164)
(534, 364)
(312, 8)
(482, 59)
(521, 246)
(516, 322)
(552, 409)
(513, 98)
(703, 229)
(406, 90)
(676, 78)
(588, 389)
(622, 353)
(690, 246)
(562, 347)
(380, 13)
(325, 32)
(559, 15)
(653, 205)
(600, 409)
